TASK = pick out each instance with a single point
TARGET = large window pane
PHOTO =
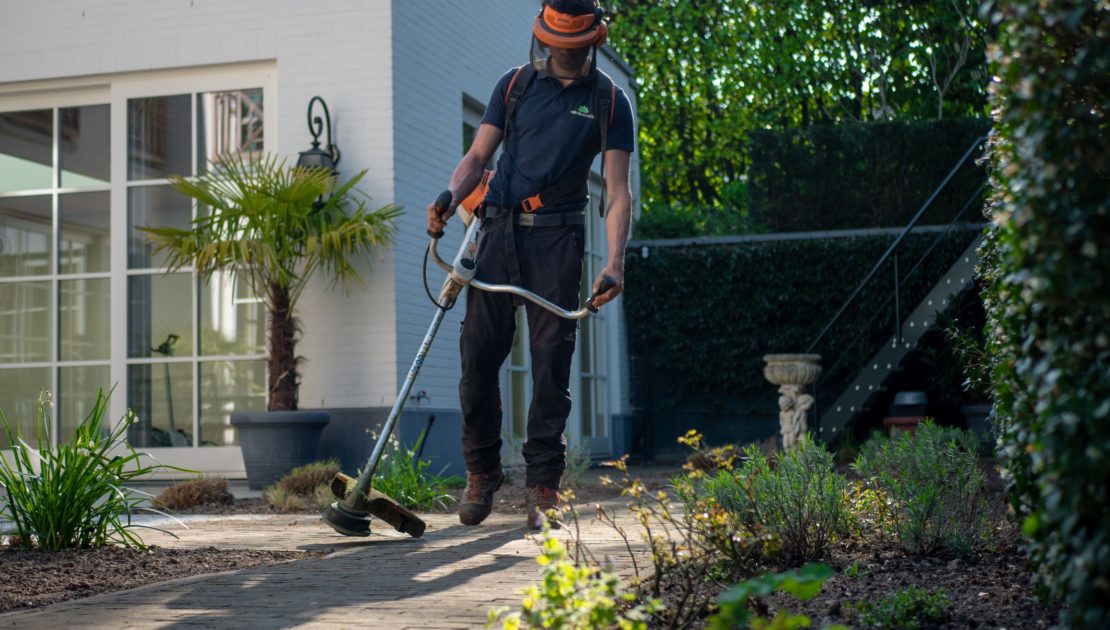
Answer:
(25, 316)
(227, 387)
(77, 389)
(83, 319)
(25, 232)
(84, 232)
(26, 148)
(19, 400)
(158, 131)
(232, 320)
(228, 124)
(161, 395)
(160, 321)
(153, 206)
(84, 146)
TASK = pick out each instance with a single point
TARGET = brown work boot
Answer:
(477, 501)
(542, 499)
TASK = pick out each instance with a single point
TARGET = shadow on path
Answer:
(374, 574)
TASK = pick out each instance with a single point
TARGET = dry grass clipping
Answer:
(303, 480)
(189, 494)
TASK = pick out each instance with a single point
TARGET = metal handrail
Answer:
(909, 226)
(950, 227)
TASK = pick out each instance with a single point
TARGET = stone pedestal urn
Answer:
(792, 373)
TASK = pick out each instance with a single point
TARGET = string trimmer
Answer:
(359, 502)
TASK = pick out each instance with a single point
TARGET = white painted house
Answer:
(101, 100)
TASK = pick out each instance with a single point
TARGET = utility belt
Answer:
(497, 218)
(533, 219)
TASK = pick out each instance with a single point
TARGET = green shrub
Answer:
(407, 480)
(935, 492)
(909, 609)
(73, 495)
(869, 512)
(799, 501)
(194, 493)
(1046, 266)
(574, 597)
(303, 480)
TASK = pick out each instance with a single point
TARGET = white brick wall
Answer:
(338, 49)
(441, 50)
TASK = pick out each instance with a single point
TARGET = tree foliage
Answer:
(1046, 265)
(713, 70)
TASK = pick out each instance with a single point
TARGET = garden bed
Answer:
(31, 579)
(990, 589)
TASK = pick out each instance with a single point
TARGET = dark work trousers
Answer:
(550, 266)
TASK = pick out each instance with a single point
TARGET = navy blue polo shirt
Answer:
(554, 134)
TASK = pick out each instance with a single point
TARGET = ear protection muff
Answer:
(563, 30)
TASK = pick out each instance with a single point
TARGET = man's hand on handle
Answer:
(616, 273)
(437, 218)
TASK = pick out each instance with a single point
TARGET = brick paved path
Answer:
(447, 579)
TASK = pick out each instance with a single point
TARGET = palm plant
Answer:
(275, 226)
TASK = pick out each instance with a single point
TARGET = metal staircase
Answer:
(870, 379)
(858, 359)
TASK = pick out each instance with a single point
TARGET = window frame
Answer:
(115, 91)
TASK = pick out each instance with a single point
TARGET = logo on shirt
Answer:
(583, 111)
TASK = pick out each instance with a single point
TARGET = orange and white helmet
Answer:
(584, 28)
(564, 30)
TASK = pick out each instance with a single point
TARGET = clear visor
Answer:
(582, 57)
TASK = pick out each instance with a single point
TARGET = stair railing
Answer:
(891, 255)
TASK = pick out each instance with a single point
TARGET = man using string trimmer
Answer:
(554, 115)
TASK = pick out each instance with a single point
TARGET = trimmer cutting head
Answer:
(346, 523)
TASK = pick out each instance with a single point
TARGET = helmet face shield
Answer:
(541, 52)
(554, 28)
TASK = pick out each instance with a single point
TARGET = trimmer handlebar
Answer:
(462, 272)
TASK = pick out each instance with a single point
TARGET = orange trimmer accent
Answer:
(474, 199)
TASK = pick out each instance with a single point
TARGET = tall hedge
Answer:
(701, 318)
(1048, 297)
(859, 175)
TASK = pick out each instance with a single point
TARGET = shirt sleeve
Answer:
(622, 129)
(495, 108)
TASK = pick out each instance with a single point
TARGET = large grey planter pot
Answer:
(275, 442)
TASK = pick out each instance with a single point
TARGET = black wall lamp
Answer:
(316, 157)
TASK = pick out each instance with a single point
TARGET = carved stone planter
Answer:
(792, 373)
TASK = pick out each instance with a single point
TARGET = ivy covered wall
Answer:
(1048, 296)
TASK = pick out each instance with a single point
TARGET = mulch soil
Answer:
(29, 579)
(989, 588)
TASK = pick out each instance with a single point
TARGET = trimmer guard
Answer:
(376, 504)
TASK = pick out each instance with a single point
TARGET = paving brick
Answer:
(448, 579)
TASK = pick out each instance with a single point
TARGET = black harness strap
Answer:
(517, 86)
